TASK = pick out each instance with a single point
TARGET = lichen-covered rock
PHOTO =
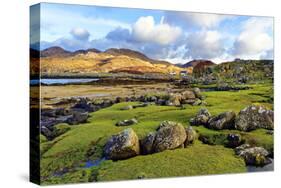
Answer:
(253, 117)
(188, 95)
(190, 136)
(122, 145)
(197, 93)
(233, 140)
(224, 120)
(174, 100)
(147, 143)
(127, 122)
(201, 118)
(257, 156)
(170, 135)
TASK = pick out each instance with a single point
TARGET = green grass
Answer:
(199, 159)
(71, 149)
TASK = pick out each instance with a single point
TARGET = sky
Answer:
(174, 36)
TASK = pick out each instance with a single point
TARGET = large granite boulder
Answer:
(253, 117)
(123, 145)
(201, 118)
(224, 120)
(127, 122)
(257, 156)
(170, 135)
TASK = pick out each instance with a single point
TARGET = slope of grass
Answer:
(69, 151)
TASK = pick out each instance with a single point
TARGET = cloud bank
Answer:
(174, 36)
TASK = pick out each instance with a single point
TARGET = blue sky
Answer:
(168, 35)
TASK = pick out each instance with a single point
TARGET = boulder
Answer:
(127, 122)
(84, 105)
(129, 107)
(224, 120)
(123, 145)
(257, 156)
(46, 132)
(190, 136)
(253, 117)
(170, 135)
(186, 95)
(233, 140)
(78, 117)
(197, 93)
(147, 143)
(201, 118)
(174, 100)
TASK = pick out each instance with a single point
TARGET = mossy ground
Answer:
(66, 154)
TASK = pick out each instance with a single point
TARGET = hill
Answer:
(195, 62)
(55, 61)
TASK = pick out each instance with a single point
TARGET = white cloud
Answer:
(204, 44)
(145, 30)
(202, 20)
(254, 41)
(80, 34)
(206, 20)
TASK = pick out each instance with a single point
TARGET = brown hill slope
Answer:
(111, 61)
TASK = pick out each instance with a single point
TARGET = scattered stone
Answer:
(123, 145)
(174, 100)
(129, 107)
(46, 132)
(190, 136)
(197, 93)
(201, 118)
(224, 120)
(127, 122)
(170, 135)
(257, 156)
(84, 105)
(188, 95)
(253, 117)
(77, 118)
(233, 140)
(147, 143)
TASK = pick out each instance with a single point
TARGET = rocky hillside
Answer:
(56, 60)
(242, 70)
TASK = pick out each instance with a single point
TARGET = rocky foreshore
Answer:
(78, 109)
